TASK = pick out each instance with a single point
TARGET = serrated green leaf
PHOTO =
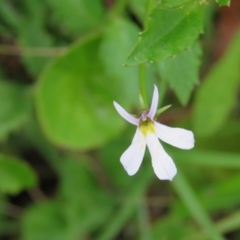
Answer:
(75, 98)
(181, 72)
(15, 104)
(76, 16)
(173, 27)
(224, 2)
(217, 95)
(15, 175)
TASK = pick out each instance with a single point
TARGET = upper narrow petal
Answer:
(125, 114)
(162, 163)
(132, 158)
(177, 137)
(154, 103)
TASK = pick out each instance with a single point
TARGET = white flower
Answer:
(148, 132)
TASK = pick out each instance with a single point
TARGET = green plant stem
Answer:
(142, 67)
(162, 92)
(142, 84)
(149, 7)
(144, 221)
(192, 203)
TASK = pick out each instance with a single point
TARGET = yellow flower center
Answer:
(146, 126)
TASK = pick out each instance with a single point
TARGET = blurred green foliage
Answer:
(61, 68)
(15, 175)
(15, 106)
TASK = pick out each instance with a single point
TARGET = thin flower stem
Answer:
(162, 93)
(142, 67)
(142, 84)
(149, 7)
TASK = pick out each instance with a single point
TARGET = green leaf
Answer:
(81, 196)
(227, 139)
(76, 16)
(75, 99)
(32, 33)
(35, 11)
(15, 104)
(218, 93)
(224, 2)
(163, 109)
(171, 227)
(118, 38)
(113, 168)
(192, 203)
(123, 214)
(44, 221)
(173, 27)
(181, 72)
(80, 206)
(215, 159)
(9, 15)
(15, 175)
(222, 195)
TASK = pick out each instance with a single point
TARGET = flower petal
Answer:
(177, 137)
(125, 114)
(163, 164)
(132, 158)
(154, 103)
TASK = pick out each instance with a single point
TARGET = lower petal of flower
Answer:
(177, 137)
(132, 158)
(162, 163)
